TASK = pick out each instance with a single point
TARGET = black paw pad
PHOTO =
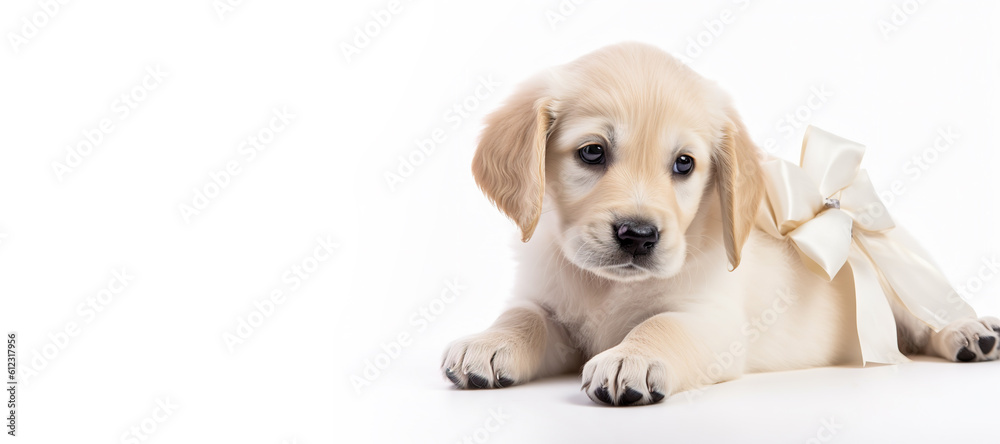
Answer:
(629, 397)
(965, 355)
(478, 382)
(657, 396)
(986, 344)
(453, 377)
(602, 394)
(504, 381)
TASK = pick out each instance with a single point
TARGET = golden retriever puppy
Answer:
(638, 186)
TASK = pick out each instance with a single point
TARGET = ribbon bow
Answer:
(830, 211)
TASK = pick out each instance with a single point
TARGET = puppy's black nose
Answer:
(636, 237)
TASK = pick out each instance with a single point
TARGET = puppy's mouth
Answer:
(606, 259)
(629, 269)
(617, 265)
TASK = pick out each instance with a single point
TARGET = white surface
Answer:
(925, 401)
(162, 337)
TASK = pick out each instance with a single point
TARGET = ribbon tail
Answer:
(912, 276)
(876, 325)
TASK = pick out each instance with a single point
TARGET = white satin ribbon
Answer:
(830, 211)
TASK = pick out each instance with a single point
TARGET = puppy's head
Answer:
(630, 146)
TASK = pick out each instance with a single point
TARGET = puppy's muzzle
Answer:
(635, 237)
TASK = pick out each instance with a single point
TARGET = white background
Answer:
(161, 339)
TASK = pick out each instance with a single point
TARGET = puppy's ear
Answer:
(509, 164)
(740, 183)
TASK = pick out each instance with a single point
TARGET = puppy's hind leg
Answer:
(523, 344)
(966, 340)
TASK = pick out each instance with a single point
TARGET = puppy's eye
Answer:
(683, 165)
(592, 154)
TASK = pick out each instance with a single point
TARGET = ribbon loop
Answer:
(863, 204)
(830, 160)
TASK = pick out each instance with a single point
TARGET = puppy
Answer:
(638, 186)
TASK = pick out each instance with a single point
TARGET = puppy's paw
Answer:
(969, 340)
(490, 359)
(624, 376)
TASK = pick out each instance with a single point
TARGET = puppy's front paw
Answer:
(624, 376)
(969, 340)
(492, 359)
